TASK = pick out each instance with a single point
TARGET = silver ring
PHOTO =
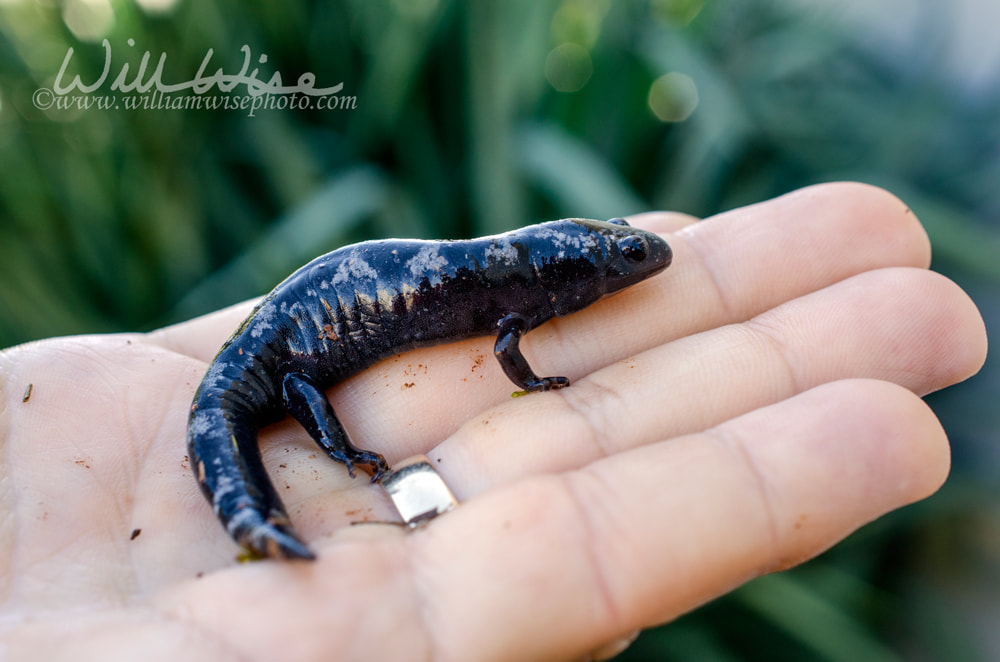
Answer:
(418, 491)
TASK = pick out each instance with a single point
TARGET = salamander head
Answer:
(578, 260)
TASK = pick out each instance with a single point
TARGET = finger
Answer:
(760, 256)
(641, 537)
(726, 269)
(909, 326)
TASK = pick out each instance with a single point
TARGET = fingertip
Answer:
(879, 216)
(896, 444)
(923, 452)
(932, 333)
(963, 332)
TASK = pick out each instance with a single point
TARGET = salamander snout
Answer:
(633, 255)
(579, 260)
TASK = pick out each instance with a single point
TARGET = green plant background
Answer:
(480, 116)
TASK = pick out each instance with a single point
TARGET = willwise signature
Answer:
(200, 84)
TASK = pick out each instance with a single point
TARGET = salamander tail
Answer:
(265, 538)
(222, 447)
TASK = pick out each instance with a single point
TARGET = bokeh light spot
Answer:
(678, 12)
(673, 97)
(568, 67)
(88, 20)
(579, 22)
(157, 7)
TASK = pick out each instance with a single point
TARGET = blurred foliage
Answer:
(481, 116)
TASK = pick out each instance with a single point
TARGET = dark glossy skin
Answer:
(348, 309)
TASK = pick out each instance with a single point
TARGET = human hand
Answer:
(734, 416)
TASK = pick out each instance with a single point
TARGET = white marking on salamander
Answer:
(427, 261)
(501, 250)
(202, 423)
(241, 518)
(262, 321)
(580, 243)
(352, 268)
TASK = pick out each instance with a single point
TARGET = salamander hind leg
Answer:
(309, 406)
(508, 353)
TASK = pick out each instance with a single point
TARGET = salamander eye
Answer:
(633, 248)
(619, 221)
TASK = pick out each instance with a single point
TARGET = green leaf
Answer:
(573, 175)
(812, 620)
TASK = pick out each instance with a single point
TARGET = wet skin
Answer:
(351, 308)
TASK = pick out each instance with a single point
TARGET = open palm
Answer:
(733, 416)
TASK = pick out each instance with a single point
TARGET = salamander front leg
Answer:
(309, 406)
(508, 353)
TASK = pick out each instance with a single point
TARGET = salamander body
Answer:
(348, 309)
